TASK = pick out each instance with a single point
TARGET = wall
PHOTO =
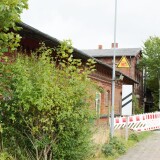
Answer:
(132, 72)
(102, 78)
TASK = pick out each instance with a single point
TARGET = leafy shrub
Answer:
(47, 105)
(5, 156)
(118, 145)
(17, 144)
(113, 147)
(137, 109)
(108, 149)
(134, 137)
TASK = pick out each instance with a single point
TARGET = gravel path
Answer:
(148, 149)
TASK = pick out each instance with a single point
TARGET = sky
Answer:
(89, 23)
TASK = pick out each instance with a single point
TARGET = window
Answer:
(98, 103)
(107, 99)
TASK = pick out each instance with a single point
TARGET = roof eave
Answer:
(81, 55)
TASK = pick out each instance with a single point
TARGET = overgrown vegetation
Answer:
(151, 63)
(5, 156)
(118, 145)
(115, 146)
(44, 101)
(134, 137)
(9, 15)
(44, 105)
(136, 108)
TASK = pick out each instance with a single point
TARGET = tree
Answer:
(44, 103)
(151, 63)
(10, 11)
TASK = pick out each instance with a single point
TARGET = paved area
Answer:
(148, 149)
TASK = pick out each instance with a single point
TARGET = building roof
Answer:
(51, 41)
(109, 52)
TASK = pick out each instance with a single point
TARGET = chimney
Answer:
(100, 46)
(112, 45)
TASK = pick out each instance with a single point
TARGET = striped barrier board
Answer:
(141, 122)
(127, 91)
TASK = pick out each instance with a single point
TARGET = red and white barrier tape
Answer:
(141, 122)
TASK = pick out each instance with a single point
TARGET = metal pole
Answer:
(113, 74)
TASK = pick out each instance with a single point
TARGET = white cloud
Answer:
(91, 22)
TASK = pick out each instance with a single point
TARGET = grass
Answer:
(134, 138)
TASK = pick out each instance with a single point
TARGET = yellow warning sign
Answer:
(123, 63)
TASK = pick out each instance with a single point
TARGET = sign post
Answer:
(127, 91)
(126, 134)
(127, 104)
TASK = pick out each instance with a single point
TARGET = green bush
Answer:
(113, 147)
(118, 145)
(134, 137)
(108, 149)
(137, 109)
(5, 156)
(46, 106)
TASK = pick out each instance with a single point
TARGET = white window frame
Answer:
(98, 103)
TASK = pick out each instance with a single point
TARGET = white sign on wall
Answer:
(127, 91)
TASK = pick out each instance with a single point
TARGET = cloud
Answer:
(91, 22)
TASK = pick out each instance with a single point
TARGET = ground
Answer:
(148, 149)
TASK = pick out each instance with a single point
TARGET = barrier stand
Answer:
(126, 133)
